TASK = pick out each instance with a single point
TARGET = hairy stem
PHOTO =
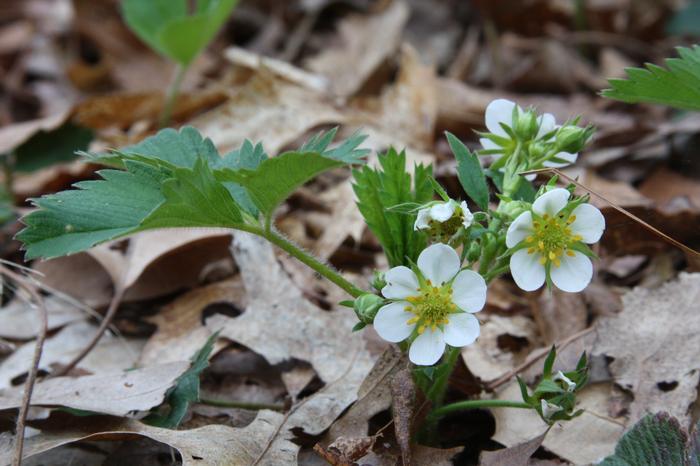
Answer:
(171, 96)
(476, 404)
(292, 249)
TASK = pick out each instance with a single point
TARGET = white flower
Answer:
(501, 111)
(549, 409)
(436, 308)
(548, 236)
(570, 384)
(441, 212)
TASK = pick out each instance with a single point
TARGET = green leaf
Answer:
(166, 26)
(274, 179)
(97, 211)
(469, 172)
(186, 389)
(173, 148)
(378, 191)
(193, 198)
(678, 86)
(657, 439)
(46, 148)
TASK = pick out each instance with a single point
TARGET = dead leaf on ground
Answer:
(112, 354)
(14, 135)
(366, 41)
(20, 319)
(181, 330)
(559, 314)
(118, 394)
(653, 342)
(519, 455)
(403, 396)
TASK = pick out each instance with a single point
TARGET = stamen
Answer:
(543, 260)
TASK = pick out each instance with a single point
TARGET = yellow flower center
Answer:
(552, 237)
(431, 307)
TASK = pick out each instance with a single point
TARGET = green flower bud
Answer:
(526, 126)
(378, 281)
(512, 209)
(474, 252)
(572, 139)
(537, 150)
(367, 306)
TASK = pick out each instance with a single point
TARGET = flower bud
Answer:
(367, 306)
(512, 209)
(526, 126)
(572, 139)
(378, 281)
(537, 150)
(474, 252)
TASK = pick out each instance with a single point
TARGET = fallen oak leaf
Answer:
(519, 455)
(116, 394)
(403, 394)
(345, 451)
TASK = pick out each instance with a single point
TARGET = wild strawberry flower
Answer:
(549, 409)
(549, 242)
(444, 212)
(500, 111)
(432, 308)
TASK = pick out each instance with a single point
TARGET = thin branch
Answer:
(106, 321)
(34, 369)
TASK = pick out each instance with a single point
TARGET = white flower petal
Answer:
(469, 291)
(526, 270)
(488, 144)
(570, 385)
(499, 111)
(467, 216)
(401, 283)
(422, 220)
(531, 176)
(570, 158)
(589, 223)
(549, 409)
(574, 273)
(462, 330)
(520, 229)
(390, 322)
(442, 211)
(547, 124)
(428, 348)
(438, 263)
(551, 202)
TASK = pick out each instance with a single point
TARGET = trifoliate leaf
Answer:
(469, 172)
(97, 211)
(274, 179)
(166, 26)
(678, 86)
(378, 191)
(657, 439)
(186, 389)
(175, 148)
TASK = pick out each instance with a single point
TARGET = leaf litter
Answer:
(372, 68)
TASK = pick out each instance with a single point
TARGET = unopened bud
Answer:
(572, 139)
(367, 306)
(378, 282)
(526, 126)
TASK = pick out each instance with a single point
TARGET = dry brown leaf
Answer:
(503, 344)
(653, 342)
(118, 394)
(112, 354)
(559, 314)
(214, 445)
(345, 220)
(20, 319)
(284, 325)
(366, 42)
(671, 190)
(268, 109)
(181, 331)
(12, 136)
(518, 455)
(403, 396)
(515, 426)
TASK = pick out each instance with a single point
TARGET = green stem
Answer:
(292, 249)
(241, 405)
(476, 404)
(171, 97)
(496, 272)
(439, 389)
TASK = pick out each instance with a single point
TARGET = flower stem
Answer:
(171, 97)
(292, 249)
(476, 404)
(439, 388)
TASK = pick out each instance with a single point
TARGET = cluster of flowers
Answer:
(431, 305)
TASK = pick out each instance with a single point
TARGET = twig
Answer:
(106, 321)
(534, 357)
(241, 405)
(34, 369)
